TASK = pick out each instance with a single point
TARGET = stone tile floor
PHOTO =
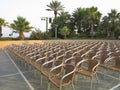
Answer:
(15, 75)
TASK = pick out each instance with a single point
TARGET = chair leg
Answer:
(29, 68)
(91, 84)
(97, 78)
(35, 72)
(60, 88)
(48, 88)
(76, 77)
(73, 86)
(25, 64)
(41, 80)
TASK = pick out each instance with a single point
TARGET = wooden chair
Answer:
(64, 80)
(61, 58)
(113, 61)
(39, 62)
(68, 54)
(46, 67)
(88, 55)
(88, 68)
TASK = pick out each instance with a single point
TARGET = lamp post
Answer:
(56, 31)
(76, 30)
(46, 19)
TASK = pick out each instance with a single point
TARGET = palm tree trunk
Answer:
(55, 13)
(113, 31)
(91, 31)
(65, 36)
(0, 31)
(21, 36)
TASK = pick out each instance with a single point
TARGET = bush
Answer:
(39, 35)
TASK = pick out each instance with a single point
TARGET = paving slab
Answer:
(10, 78)
(16, 75)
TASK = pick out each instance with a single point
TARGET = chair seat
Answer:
(46, 71)
(114, 68)
(55, 81)
(38, 67)
(85, 72)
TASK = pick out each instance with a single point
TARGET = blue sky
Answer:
(32, 10)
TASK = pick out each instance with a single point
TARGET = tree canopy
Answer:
(20, 26)
(2, 23)
(55, 6)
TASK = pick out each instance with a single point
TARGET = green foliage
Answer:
(59, 22)
(65, 31)
(39, 35)
(86, 19)
(2, 23)
(21, 25)
(55, 6)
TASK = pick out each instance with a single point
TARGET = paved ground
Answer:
(16, 75)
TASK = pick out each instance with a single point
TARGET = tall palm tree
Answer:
(2, 23)
(20, 26)
(93, 18)
(105, 26)
(55, 6)
(114, 17)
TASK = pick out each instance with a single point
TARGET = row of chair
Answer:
(51, 58)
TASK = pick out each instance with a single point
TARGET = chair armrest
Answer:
(84, 55)
(54, 68)
(67, 75)
(30, 54)
(77, 65)
(109, 59)
(39, 59)
(95, 67)
(47, 63)
(60, 56)
(68, 51)
(97, 56)
(69, 59)
(35, 56)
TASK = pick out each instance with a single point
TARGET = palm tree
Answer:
(113, 21)
(105, 26)
(2, 23)
(65, 31)
(93, 18)
(55, 6)
(20, 26)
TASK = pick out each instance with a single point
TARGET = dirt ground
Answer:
(3, 44)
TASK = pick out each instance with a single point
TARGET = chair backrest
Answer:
(57, 62)
(91, 64)
(57, 69)
(77, 59)
(68, 54)
(69, 74)
(69, 60)
(61, 57)
(41, 60)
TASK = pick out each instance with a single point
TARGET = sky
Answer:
(33, 10)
